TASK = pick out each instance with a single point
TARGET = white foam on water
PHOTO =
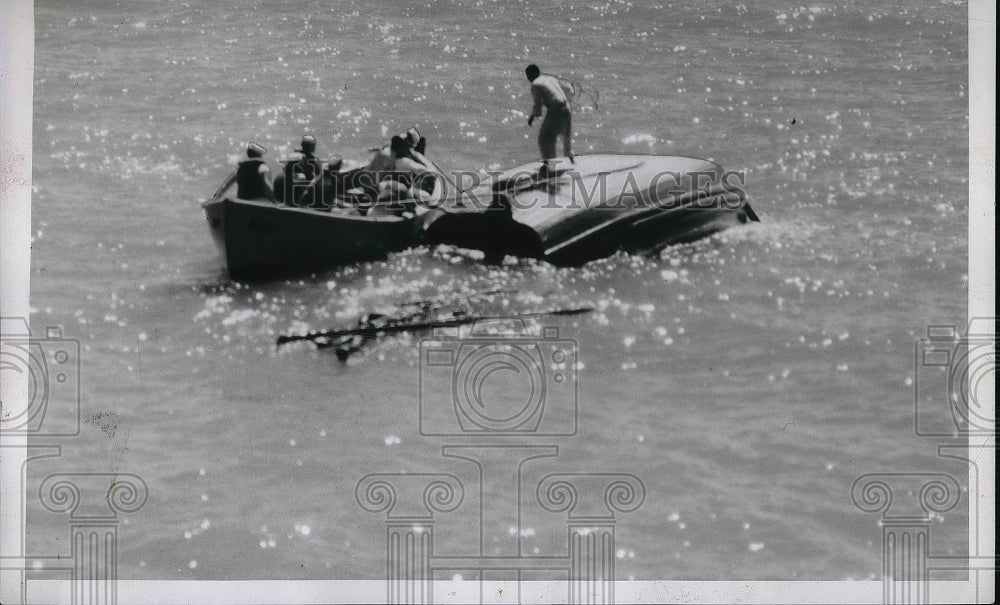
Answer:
(634, 139)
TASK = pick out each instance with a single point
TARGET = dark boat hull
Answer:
(598, 206)
(647, 235)
(260, 240)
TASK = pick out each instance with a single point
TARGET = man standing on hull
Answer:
(548, 92)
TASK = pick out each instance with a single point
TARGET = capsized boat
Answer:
(590, 209)
(570, 215)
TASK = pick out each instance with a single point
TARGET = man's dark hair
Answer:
(532, 71)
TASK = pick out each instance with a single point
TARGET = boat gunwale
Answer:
(331, 213)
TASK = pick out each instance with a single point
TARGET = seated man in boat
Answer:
(385, 158)
(252, 176)
(405, 175)
(364, 181)
(307, 165)
(416, 141)
(414, 167)
(398, 162)
(302, 173)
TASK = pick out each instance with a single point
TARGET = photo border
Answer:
(16, 70)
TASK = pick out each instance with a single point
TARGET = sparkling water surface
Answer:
(746, 379)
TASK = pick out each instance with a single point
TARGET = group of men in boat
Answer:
(396, 171)
(400, 170)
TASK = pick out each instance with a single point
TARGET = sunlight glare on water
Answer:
(747, 378)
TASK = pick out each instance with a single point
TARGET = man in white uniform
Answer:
(547, 92)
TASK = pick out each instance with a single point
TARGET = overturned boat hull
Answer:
(597, 206)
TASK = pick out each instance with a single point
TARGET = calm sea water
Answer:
(746, 379)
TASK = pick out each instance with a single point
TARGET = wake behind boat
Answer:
(574, 214)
